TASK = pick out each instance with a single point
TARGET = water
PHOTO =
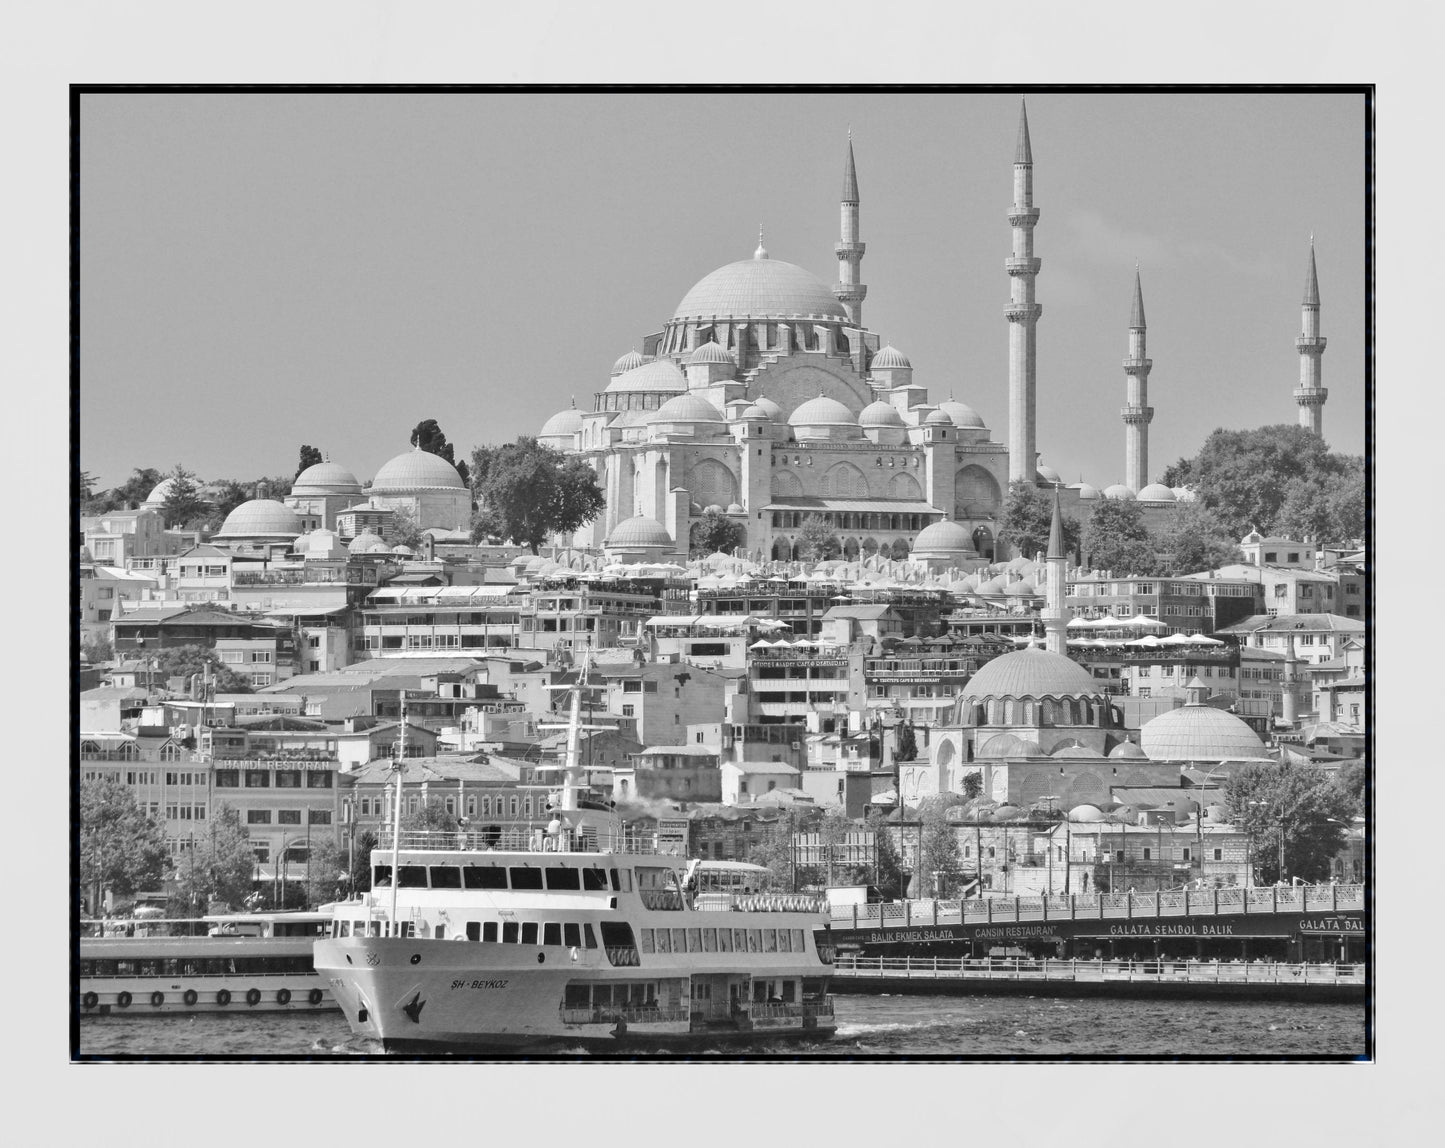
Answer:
(868, 1026)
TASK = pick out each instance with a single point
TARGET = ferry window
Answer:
(510, 932)
(575, 996)
(594, 879)
(489, 931)
(552, 933)
(343, 929)
(381, 875)
(740, 940)
(664, 941)
(524, 878)
(564, 879)
(709, 940)
(724, 940)
(799, 944)
(412, 877)
(787, 994)
(694, 941)
(755, 941)
(617, 935)
(770, 940)
(591, 938)
(622, 880)
(474, 930)
(572, 936)
(446, 877)
(373, 929)
(484, 877)
(647, 941)
(679, 940)
(529, 932)
(785, 940)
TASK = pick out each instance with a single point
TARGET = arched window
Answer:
(975, 493)
(1010, 712)
(905, 486)
(787, 484)
(712, 483)
(844, 481)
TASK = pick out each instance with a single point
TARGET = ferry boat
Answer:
(582, 934)
(246, 962)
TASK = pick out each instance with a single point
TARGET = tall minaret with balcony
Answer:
(1055, 622)
(1022, 312)
(1137, 412)
(1311, 344)
(849, 288)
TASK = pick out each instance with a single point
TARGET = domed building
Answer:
(264, 520)
(638, 539)
(323, 490)
(1199, 733)
(426, 487)
(945, 545)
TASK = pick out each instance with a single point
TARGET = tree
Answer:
(1116, 538)
(972, 784)
(97, 650)
(183, 502)
(121, 849)
(891, 875)
(1028, 518)
(275, 487)
(405, 528)
(905, 746)
(1248, 476)
(86, 481)
(129, 494)
(432, 817)
(1194, 540)
(529, 491)
(183, 661)
(229, 494)
(360, 860)
(428, 435)
(219, 866)
(326, 872)
(1350, 779)
(775, 853)
(816, 540)
(310, 456)
(715, 531)
(939, 858)
(1296, 803)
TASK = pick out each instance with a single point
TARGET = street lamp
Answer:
(1051, 798)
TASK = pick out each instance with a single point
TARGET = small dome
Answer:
(943, 536)
(755, 412)
(880, 414)
(1048, 474)
(1006, 812)
(658, 375)
(1032, 673)
(1156, 492)
(937, 418)
(963, 415)
(261, 517)
(628, 362)
(1076, 751)
(990, 587)
(1023, 588)
(1127, 749)
(639, 531)
(367, 542)
(534, 564)
(417, 469)
(1198, 733)
(687, 408)
(567, 422)
(1086, 813)
(1119, 492)
(404, 551)
(711, 352)
(890, 358)
(160, 492)
(735, 508)
(1087, 493)
(775, 412)
(823, 411)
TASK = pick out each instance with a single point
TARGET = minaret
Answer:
(1022, 312)
(849, 288)
(1137, 412)
(1311, 344)
(1053, 614)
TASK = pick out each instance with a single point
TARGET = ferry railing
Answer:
(530, 840)
(640, 1014)
(1189, 971)
(1125, 906)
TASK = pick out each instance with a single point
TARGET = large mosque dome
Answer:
(1199, 733)
(639, 531)
(1032, 673)
(563, 423)
(261, 518)
(658, 375)
(325, 478)
(759, 288)
(417, 469)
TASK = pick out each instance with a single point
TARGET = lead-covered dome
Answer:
(711, 352)
(890, 358)
(1087, 493)
(367, 542)
(759, 288)
(1199, 733)
(567, 422)
(160, 492)
(417, 469)
(687, 408)
(261, 518)
(1032, 673)
(963, 415)
(1119, 492)
(822, 412)
(945, 536)
(880, 414)
(325, 478)
(1156, 492)
(628, 362)
(639, 531)
(658, 375)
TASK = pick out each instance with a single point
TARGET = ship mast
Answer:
(399, 769)
(572, 766)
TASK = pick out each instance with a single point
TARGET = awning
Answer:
(314, 611)
(673, 620)
(865, 506)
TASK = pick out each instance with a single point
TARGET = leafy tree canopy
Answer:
(1193, 540)
(1300, 802)
(220, 864)
(940, 860)
(431, 816)
(183, 504)
(1028, 517)
(183, 661)
(528, 491)
(906, 745)
(1116, 538)
(428, 435)
(890, 862)
(407, 532)
(715, 531)
(1276, 479)
(816, 540)
(128, 495)
(310, 456)
(121, 849)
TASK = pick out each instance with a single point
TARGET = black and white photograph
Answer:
(818, 573)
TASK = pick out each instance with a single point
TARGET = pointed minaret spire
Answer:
(1310, 395)
(1056, 530)
(849, 289)
(1054, 562)
(1137, 413)
(1023, 153)
(1022, 313)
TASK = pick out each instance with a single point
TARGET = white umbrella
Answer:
(1176, 640)
(1078, 624)
(1146, 640)
(1143, 622)
(1201, 640)
(761, 644)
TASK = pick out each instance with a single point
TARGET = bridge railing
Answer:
(1149, 971)
(1105, 906)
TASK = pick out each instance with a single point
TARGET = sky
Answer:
(262, 270)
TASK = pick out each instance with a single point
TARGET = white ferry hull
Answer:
(413, 994)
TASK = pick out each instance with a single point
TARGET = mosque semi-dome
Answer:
(567, 422)
(759, 288)
(711, 352)
(658, 375)
(963, 415)
(1198, 733)
(823, 411)
(416, 469)
(261, 517)
(1127, 749)
(1119, 492)
(890, 358)
(1010, 745)
(1157, 492)
(687, 408)
(1032, 673)
(628, 362)
(880, 414)
(639, 531)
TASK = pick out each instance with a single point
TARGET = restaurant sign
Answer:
(1333, 926)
